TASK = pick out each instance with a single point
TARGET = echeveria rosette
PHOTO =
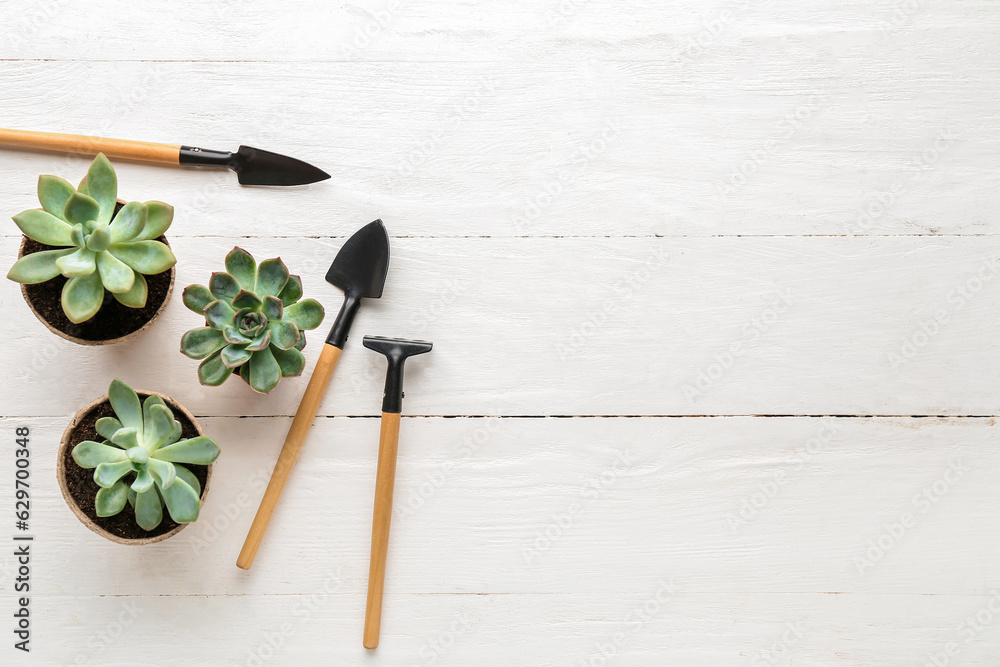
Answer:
(139, 461)
(254, 320)
(95, 249)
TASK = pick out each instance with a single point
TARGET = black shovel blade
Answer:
(254, 166)
(362, 263)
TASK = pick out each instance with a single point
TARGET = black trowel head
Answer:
(362, 263)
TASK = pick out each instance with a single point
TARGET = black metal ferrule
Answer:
(345, 318)
(392, 399)
(202, 157)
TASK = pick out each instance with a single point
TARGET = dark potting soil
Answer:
(113, 320)
(83, 489)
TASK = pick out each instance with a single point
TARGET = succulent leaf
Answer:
(148, 257)
(291, 362)
(111, 501)
(235, 355)
(213, 371)
(182, 501)
(200, 450)
(162, 420)
(81, 209)
(272, 275)
(143, 481)
(147, 415)
(127, 437)
(307, 314)
(219, 314)
(158, 219)
(163, 473)
(101, 185)
(99, 239)
(90, 454)
(38, 266)
(44, 227)
(106, 474)
(292, 291)
(53, 193)
(82, 297)
(223, 286)
(201, 343)
(242, 266)
(107, 426)
(129, 222)
(261, 342)
(176, 433)
(188, 477)
(136, 296)
(272, 307)
(284, 334)
(148, 509)
(125, 403)
(116, 276)
(264, 371)
(79, 263)
(233, 336)
(196, 297)
(245, 299)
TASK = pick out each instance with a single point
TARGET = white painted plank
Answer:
(584, 506)
(438, 30)
(831, 145)
(597, 326)
(700, 630)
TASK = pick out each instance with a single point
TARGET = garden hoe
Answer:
(359, 270)
(396, 350)
(253, 166)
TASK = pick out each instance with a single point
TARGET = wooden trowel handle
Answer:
(74, 143)
(290, 452)
(385, 480)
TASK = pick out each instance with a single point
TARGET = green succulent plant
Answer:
(139, 461)
(254, 322)
(95, 249)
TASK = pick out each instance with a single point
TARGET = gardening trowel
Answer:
(359, 269)
(253, 166)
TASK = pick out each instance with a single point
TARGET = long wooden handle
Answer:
(290, 452)
(385, 480)
(75, 143)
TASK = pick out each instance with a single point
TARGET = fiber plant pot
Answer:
(79, 488)
(114, 322)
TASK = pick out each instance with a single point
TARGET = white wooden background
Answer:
(713, 293)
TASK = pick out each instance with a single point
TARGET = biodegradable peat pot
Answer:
(79, 488)
(114, 322)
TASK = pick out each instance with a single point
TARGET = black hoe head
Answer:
(362, 263)
(254, 166)
(397, 349)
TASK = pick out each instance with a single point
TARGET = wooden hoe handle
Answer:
(384, 481)
(75, 143)
(290, 452)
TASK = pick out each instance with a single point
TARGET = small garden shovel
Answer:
(396, 350)
(359, 269)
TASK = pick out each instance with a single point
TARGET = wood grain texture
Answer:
(385, 481)
(712, 290)
(83, 145)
